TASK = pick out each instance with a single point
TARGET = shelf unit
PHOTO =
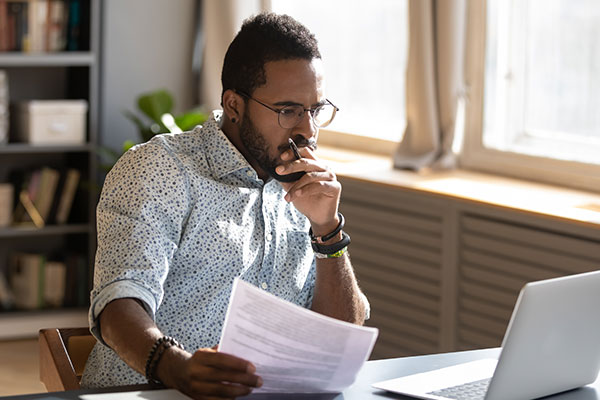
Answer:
(58, 75)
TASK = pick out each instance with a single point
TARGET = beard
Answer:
(257, 147)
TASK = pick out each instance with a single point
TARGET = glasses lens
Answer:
(323, 115)
(290, 116)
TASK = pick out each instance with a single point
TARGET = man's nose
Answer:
(307, 126)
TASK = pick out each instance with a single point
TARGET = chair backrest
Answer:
(63, 353)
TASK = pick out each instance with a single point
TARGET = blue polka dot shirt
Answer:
(179, 218)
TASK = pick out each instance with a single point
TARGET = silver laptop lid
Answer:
(552, 342)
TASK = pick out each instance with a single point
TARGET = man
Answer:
(183, 215)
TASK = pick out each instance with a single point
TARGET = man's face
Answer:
(288, 82)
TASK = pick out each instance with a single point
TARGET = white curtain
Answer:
(220, 20)
(434, 83)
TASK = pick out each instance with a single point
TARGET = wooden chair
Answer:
(63, 353)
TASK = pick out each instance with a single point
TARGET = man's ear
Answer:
(233, 106)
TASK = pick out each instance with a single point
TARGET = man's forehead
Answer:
(295, 77)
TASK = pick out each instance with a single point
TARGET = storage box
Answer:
(52, 121)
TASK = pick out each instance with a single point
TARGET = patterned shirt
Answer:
(179, 218)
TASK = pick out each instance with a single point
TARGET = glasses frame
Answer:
(311, 111)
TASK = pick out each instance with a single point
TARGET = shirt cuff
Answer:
(119, 290)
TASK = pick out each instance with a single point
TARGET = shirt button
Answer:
(269, 237)
(249, 173)
(264, 285)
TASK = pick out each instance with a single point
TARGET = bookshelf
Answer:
(54, 75)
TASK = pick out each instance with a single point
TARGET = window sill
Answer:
(488, 189)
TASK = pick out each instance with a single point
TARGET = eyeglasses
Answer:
(290, 116)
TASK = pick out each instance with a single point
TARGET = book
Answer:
(55, 279)
(27, 280)
(42, 191)
(3, 25)
(4, 100)
(66, 195)
(36, 197)
(56, 28)
(74, 26)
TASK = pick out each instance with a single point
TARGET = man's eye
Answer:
(288, 111)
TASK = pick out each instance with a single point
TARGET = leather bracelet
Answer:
(330, 235)
(332, 248)
(156, 353)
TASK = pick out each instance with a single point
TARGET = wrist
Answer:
(333, 244)
(162, 347)
(171, 366)
(325, 228)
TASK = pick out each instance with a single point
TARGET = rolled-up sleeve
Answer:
(142, 209)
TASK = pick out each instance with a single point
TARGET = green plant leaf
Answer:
(155, 104)
(127, 145)
(189, 120)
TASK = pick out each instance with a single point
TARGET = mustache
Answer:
(300, 142)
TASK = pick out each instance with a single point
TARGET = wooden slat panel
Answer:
(492, 295)
(367, 259)
(469, 339)
(388, 244)
(389, 199)
(405, 342)
(484, 324)
(493, 278)
(534, 256)
(402, 296)
(510, 267)
(392, 279)
(484, 308)
(496, 259)
(533, 237)
(378, 220)
(401, 326)
(396, 253)
(402, 311)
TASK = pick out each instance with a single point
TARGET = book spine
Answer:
(65, 201)
(4, 99)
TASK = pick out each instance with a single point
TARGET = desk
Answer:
(373, 371)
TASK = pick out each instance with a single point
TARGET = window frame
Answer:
(474, 155)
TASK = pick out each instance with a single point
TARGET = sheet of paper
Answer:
(163, 394)
(295, 350)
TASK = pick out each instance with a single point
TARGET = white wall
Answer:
(146, 45)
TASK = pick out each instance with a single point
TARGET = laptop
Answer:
(552, 344)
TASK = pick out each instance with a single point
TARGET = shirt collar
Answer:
(222, 156)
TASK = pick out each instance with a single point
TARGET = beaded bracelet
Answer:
(156, 353)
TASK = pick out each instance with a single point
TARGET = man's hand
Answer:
(316, 194)
(208, 374)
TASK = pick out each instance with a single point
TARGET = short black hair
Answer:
(263, 38)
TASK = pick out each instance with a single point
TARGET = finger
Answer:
(211, 358)
(310, 178)
(304, 165)
(325, 188)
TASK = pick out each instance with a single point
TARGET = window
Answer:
(364, 48)
(535, 108)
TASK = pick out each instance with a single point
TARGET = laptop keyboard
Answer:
(467, 391)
